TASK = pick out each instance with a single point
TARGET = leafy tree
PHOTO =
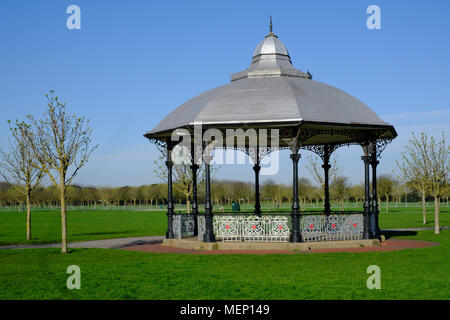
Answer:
(397, 193)
(240, 190)
(357, 192)
(90, 195)
(304, 191)
(316, 194)
(105, 195)
(160, 191)
(386, 184)
(270, 190)
(340, 188)
(73, 194)
(219, 191)
(124, 194)
(447, 194)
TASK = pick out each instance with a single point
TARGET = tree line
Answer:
(223, 193)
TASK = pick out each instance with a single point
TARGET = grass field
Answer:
(93, 225)
(82, 225)
(119, 274)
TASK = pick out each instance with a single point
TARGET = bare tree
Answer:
(317, 172)
(425, 167)
(61, 143)
(18, 166)
(182, 173)
(413, 170)
(438, 164)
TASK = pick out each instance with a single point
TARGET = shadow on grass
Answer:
(393, 234)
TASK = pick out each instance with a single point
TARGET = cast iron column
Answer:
(326, 168)
(366, 158)
(256, 168)
(194, 168)
(209, 232)
(169, 164)
(295, 234)
(376, 228)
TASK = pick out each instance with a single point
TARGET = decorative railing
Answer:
(201, 226)
(332, 227)
(276, 227)
(183, 225)
(252, 228)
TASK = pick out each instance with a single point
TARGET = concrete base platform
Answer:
(193, 243)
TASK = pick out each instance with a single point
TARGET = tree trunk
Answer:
(436, 215)
(28, 214)
(62, 187)
(188, 204)
(387, 203)
(424, 209)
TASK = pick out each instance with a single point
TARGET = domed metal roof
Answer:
(271, 99)
(271, 92)
(270, 45)
(270, 54)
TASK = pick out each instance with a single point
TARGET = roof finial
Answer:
(270, 24)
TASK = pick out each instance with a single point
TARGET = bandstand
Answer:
(267, 107)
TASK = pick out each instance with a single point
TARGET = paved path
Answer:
(103, 244)
(415, 229)
(388, 245)
(136, 241)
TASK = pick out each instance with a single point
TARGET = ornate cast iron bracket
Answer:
(377, 147)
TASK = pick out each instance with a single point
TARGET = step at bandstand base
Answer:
(194, 243)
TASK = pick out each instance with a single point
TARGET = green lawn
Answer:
(412, 218)
(92, 225)
(82, 225)
(119, 274)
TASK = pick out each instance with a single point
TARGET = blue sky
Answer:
(133, 62)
